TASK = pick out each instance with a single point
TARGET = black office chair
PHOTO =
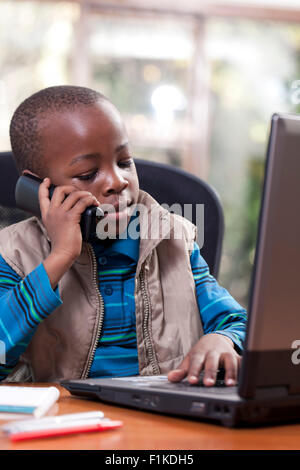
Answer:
(9, 213)
(171, 185)
(165, 183)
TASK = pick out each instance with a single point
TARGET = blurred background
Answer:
(196, 82)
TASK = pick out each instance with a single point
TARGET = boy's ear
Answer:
(24, 172)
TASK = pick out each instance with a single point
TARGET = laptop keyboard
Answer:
(219, 387)
(185, 384)
(161, 382)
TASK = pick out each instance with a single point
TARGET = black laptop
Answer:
(269, 381)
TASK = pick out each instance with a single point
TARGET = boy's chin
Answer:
(112, 229)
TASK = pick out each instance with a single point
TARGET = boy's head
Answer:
(75, 136)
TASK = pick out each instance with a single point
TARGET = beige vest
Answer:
(167, 316)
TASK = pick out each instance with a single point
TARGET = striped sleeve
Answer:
(219, 311)
(24, 304)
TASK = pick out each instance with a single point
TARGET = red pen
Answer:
(64, 429)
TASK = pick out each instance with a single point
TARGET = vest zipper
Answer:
(99, 316)
(146, 318)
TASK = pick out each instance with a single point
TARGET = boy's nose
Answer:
(114, 183)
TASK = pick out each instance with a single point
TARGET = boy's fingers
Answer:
(181, 372)
(44, 196)
(231, 364)
(59, 195)
(196, 366)
(82, 204)
(72, 200)
(211, 369)
(177, 375)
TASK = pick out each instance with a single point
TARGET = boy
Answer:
(113, 307)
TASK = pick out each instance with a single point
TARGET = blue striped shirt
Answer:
(25, 303)
(116, 354)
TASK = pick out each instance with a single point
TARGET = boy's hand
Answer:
(210, 353)
(61, 216)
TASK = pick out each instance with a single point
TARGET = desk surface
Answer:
(145, 430)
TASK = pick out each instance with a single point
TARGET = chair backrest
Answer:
(167, 184)
(170, 185)
(9, 213)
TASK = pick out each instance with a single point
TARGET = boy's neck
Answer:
(107, 242)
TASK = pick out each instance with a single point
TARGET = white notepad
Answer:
(22, 402)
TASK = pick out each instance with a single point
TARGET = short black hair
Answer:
(26, 123)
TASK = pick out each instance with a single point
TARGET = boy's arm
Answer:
(220, 312)
(224, 326)
(24, 303)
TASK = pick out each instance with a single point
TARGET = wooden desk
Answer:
(145, 430)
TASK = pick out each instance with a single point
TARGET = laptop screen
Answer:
(274, 309)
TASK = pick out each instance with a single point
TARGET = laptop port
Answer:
(221, 409)
(198, 407)
(136, 398)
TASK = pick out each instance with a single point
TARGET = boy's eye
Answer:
(87, 177)
(125, 163)
(90, 176)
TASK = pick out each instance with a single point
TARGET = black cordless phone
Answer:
(27, 198)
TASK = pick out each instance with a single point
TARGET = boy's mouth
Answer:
(111, 210)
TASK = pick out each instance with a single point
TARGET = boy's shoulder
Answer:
(23, 228)
(189, 227)
(23, 245)
(176, 226)
(27, 235)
